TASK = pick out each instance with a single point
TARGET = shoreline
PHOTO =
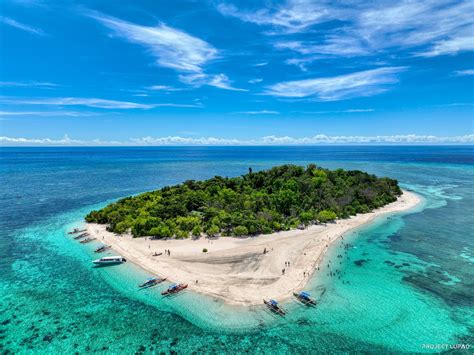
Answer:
(236, 270)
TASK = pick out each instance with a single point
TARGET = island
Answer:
(241, 239)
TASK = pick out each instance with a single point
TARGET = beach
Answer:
(243, 271)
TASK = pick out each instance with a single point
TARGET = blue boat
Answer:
(305, 298)
(273, 305)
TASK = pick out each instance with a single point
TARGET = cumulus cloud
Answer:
(363, 83)
(267, 140)
(21, 26)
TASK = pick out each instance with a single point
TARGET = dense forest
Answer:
(281, 198)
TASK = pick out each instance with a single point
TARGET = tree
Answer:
(161, 231)
(259, 202)
(240, 231)
(212, 231)
(326, 216)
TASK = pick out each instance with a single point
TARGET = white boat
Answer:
(110, 260)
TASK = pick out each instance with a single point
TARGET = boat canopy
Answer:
(305, 294)
(173, 286)
(273, 302)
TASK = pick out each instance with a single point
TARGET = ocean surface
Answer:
(407, 282)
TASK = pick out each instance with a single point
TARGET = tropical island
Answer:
(264, 202)
(241, 239)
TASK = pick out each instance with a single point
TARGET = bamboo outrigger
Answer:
(83, 235)
(77, 230)
(305, 298)
(175, 288)
(274, 307)
(152, 282)
(87, 240)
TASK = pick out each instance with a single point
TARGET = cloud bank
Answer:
(319, 139)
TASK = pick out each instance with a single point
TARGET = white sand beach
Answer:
(236, 269)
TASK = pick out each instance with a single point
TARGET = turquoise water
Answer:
(406, 281)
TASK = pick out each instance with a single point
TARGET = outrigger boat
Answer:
(153, 281)
(305, 298)
(274, 307)
(81, 235)
(102, 248)
(110, 260)
(87, 240)
(77, 230)
(175, 288)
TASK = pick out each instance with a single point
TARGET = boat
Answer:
(110, 260)
(77, 230)
(153, 281)
(274, 307)
(102, 248)
(305, 298)
(175, 288)
(87, 240)
(81, 235)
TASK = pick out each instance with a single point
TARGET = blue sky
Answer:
(236, 72)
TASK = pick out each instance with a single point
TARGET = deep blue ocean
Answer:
(413, 293)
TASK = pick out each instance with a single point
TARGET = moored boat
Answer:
(175, 288)
(305, 298)
(110, 260)
(102, 248)
(77, 230)
(274, 307)
(82, 235)
(87, 240)
(153, 281)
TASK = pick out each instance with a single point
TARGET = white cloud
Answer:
(28, 84)
(451, 46)
(352, 110)
(467, 72)
(13, 23)
(48, 113)
(363, 83)
(434, 27)
(293, 16)
(261, 112)
(89, 102)
(165, 88)
(171, 47)
(220, 81)
(255, 81)
(267, 140)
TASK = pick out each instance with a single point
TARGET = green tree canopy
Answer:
(258, 202)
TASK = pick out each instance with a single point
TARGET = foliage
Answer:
(281, 198)
(204, 250)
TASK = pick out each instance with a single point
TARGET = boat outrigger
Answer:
(82, 235)
(102, 248)
(110, 260)
(77, 230)
(87, 240)
(175, 288)
(305, 298)
(153, 281)
(274, 307)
